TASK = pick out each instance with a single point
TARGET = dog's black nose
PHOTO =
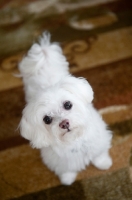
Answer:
(64, 124)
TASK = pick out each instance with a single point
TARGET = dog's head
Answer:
(59, 114)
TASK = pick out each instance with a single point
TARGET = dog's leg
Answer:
(68, 178)
(103, 161)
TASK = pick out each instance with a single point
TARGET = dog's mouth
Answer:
(67, 131)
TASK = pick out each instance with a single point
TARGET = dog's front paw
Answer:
(103, 161)
(68, 178)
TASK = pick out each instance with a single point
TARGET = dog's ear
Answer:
(80, 87)
(32, 128)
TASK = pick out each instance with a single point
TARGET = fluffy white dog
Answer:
(59, 117)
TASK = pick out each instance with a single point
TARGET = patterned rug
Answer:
(96, 37)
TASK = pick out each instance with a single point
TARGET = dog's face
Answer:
(58, 115)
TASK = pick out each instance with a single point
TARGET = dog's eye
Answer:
(67, 105)
(47, 119)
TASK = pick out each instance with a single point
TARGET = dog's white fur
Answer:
(48, 84)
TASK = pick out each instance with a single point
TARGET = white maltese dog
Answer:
(59, 117)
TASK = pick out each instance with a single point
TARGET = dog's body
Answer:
(59, 118)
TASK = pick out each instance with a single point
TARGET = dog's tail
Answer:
(43, 56)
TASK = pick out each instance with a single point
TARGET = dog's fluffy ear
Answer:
(80, 87)
(32, 128)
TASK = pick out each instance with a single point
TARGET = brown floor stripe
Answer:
(112, 83)
(12, 142)
(58, 193)
(116, 186)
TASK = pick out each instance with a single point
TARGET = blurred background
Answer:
(96, 38)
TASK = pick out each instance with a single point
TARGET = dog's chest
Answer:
(80, 148)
